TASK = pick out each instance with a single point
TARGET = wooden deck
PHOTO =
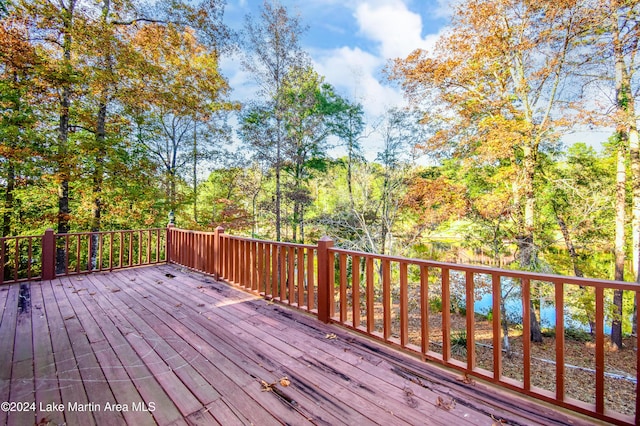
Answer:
(159, 345)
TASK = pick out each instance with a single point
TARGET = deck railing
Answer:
(27, 258)
(428, 308)
(431, 309)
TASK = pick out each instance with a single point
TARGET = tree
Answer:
(349, 127)
(272, 52)
(494, 86)
(20, 88)
(188, 89)
(311, 109)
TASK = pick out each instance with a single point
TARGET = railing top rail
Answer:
(279, 243)
(190, 231)
(19, 237)
(75, 234)
(565, 279)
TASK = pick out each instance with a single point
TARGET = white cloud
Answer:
(396, 29)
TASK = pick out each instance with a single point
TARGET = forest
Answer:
(114, 114)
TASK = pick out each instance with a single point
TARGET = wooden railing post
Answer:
(217, 251)
(168, 253)
(325, 283)
(48, 255)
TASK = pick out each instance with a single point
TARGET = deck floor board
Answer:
(176, 347)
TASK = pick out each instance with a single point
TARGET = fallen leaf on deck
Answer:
(69, 317)
(115, 290)
(169, 275)
(159, 282)
(331, 336)
(79, 279)
(267, 387)
(92, 293)
(270, 302)
(200, 305)
(178, 305)
(440, 402)
(466, 380)
(285, 381)
(132, 279)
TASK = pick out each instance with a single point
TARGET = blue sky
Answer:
(350, 42)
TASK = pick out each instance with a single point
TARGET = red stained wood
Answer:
(200, 349)
(355, 289)
(600, 350)
(526, 332)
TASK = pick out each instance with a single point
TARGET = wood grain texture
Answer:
(204, 353)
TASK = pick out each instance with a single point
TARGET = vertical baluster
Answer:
(100, 250)
(404, 306)
(111, 238)
(424, 308)
(446, 315)
(254, 265)
(470, 317)
(66, 254)
(342, 262)
(274, 271)
(370, 295)
(268, 271)
(30, 250)
(130, 248)
(262, 287)
(332, 284)
(495, 306)
(355, 289)
(386, 298)
(16, 260)
(3, 247)
(78, 252)
(526, 332)
(149, 242)
(282, 260)
(600, 342)
(310, 279)
(291, 275)
(559, 293)
(300, 264)
(121, 260)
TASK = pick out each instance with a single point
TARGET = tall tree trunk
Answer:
(64, 170)
(8, 199)
(621, 177)
(98, 180)
(195, 171)
(622, 106)
(526, 244)
(568, 242)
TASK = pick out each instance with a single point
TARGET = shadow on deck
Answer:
(158, 345)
